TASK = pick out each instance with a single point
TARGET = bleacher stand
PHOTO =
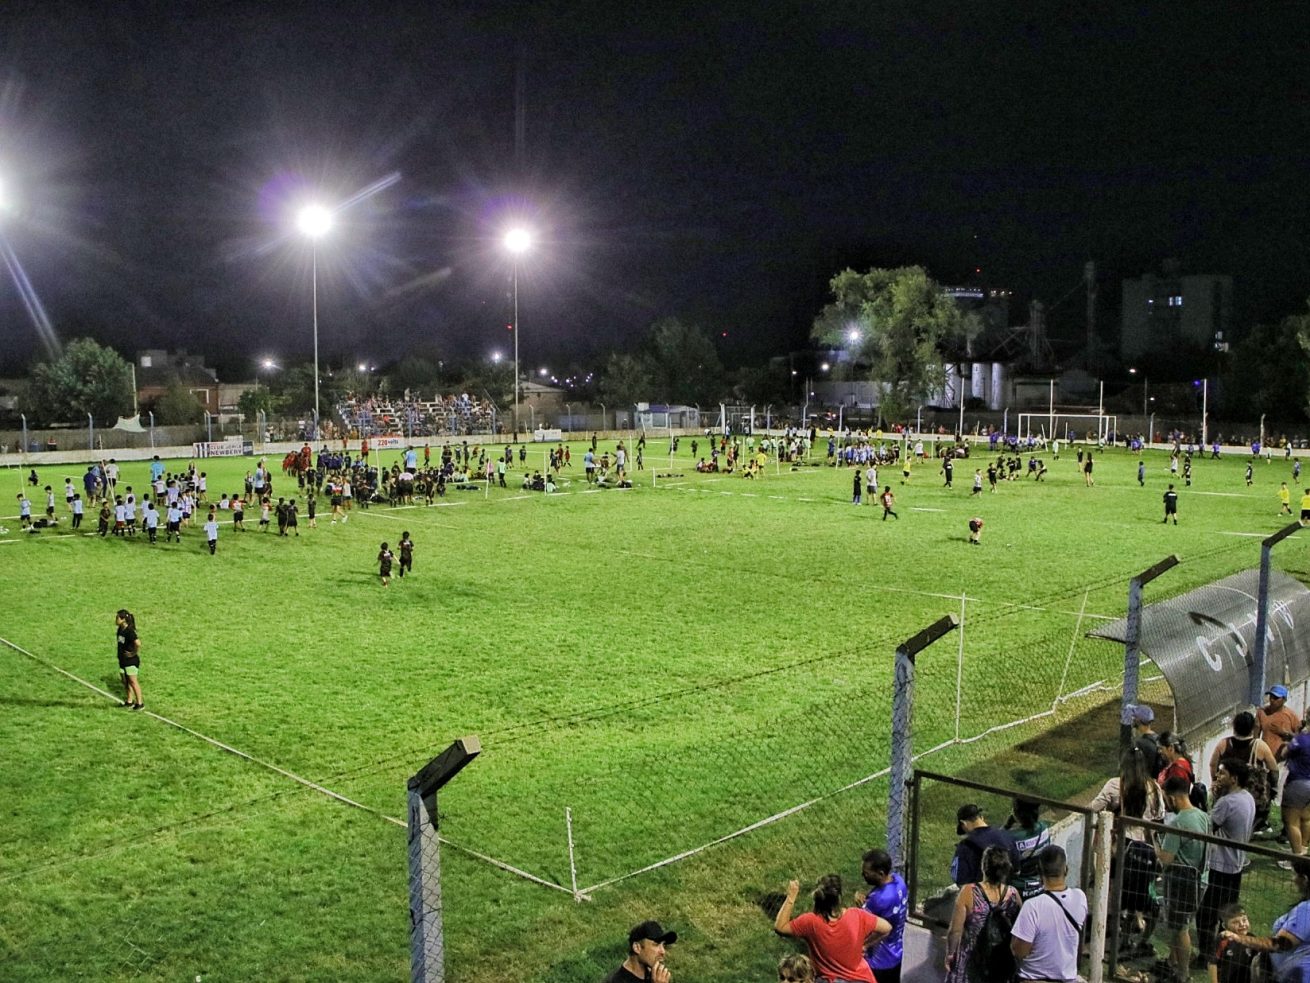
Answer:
(411, 415)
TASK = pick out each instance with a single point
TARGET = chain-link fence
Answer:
(1177, 887)
(1018, 691)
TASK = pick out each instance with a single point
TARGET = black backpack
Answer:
(991, 960)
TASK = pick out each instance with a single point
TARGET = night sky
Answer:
(712, 161)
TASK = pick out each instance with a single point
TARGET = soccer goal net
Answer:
(1068, 426)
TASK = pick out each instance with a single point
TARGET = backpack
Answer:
(991, 960)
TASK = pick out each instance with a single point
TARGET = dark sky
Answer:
(713, 161)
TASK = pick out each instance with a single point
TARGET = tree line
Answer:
(898, 327)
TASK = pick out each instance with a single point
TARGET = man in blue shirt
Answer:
(889, 900)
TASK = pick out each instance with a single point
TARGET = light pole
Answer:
(314, 222)
(517, 241)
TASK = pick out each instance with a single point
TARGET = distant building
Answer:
(157, 370)
(1165, 311)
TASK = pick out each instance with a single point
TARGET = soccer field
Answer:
(671, 664)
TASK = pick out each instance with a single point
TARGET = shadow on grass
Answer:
(18, 701)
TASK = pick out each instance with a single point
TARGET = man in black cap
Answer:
(971, 823)
(645, 962)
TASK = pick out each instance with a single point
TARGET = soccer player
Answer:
(24, 511)
(1141, 473)
(975, 531)
(1305, 507)
(977, 481)
(855, 492)
(1285, 499)
(78, 508)
(889, 501)
(1248, 474)
(1171, 505)
(385, 556)
(211, 533)
(406, 554)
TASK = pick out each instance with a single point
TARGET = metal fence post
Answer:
(1100, 899)
(426, 939)
(1256, 688)
(902, 733)
(1132, 637)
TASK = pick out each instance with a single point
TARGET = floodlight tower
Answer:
(517, 241)
(314, 222)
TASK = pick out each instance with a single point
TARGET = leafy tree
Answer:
(414, 373)
(86, 378)
(178, 405)
(902, 321)
(1269, 372)
(683, 364)
(626, 379)
(761, 385)
(261, 399)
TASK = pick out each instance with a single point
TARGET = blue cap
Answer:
(1278, 692)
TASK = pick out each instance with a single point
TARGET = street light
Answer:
(1146, 395)
(314, 222)
(517, 241)
(268, 365)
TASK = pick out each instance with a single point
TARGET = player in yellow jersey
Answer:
(1285, 497)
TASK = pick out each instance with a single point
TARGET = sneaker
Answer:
(1285, 864)
(138, 706)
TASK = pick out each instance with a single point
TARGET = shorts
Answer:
(130, 670)
(1182, 895)
(1296, 794)
(1305, 515)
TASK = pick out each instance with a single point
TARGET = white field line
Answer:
(920, 508)
(1255, 535)
(1222, 494)
(281, 771)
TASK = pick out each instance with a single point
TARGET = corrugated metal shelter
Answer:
(1203, 643)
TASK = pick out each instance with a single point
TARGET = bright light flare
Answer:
(496, 357)
(314, 221)
(853, 335)
(518, 240)
(268, 363)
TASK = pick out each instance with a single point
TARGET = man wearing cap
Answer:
(1278, 722)
(645, 962)
(1146, 739)
(971, 823)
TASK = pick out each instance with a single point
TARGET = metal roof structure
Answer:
(1203, 643)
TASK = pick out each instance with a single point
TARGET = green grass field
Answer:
(670, 663)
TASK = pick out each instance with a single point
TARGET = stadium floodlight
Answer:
(314, 222)
(517, 241)
(268, 365)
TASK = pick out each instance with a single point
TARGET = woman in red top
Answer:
(836, 936)
(1174, 750)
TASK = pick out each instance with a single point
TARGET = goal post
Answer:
(1068, 426)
